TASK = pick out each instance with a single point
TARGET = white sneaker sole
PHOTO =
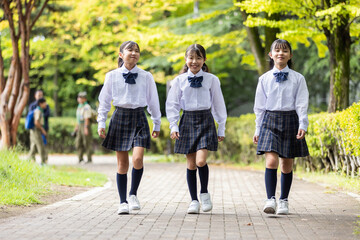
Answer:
(282, 212)
(193, 212)
(134, 208)
(207, 209)
(269, 210)
(123, 212)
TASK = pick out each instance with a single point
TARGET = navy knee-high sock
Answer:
(191, 181)
(270, 182)
(135, 180)
(204, 178)
(121, 180)
(286, 180)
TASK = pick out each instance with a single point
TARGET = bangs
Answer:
(196, 51)
(281, 44)
(131, 45)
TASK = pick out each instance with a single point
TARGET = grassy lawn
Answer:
(332, 180)
(23, 182)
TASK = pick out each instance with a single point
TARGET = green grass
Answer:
(23, 182)
(357, 227)
(333, 180)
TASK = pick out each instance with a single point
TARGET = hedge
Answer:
(333, 140)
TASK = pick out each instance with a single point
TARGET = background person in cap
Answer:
(36, 139)
(83, 138)
(40, 94)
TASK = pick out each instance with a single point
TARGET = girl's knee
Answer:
(123, 168)
(191, 165)
(137, 162)
(201, 162)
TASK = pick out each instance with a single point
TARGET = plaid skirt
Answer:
(278, 134)
(197, 131)
(128, 128)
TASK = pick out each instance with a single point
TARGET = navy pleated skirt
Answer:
(197, 131)
(128, 128)
(278, 134)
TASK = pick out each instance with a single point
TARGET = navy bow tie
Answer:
(281, 76)
(130, 77)
(195, 82)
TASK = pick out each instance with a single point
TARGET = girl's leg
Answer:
(191, 175)
(272, 162)
(121, 176)
(286, 166)
(137, 171)
(201, 156)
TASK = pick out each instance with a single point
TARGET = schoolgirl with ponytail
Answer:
(198, 93)
(130, 89)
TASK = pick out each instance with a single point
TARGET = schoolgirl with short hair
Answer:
(130, 89)
(281, 104)
(198, 93)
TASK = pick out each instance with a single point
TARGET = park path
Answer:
(238, 195)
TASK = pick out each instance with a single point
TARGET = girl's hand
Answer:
(102, 132)
(301, 134)
(174, 135)
(256, 139)
(220, 139)
(155, 134)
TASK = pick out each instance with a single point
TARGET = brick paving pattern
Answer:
(238, 198)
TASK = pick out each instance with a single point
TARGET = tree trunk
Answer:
(56, 83)
(258, 50)
(339, 44)
(196, 9)
(15, 90)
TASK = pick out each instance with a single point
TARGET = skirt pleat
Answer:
(197, 131)
(128, 128)
(278, 134)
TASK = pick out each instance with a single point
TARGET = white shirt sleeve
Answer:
(301, 104)
(105, 99)
(152, 98)
(259, 106)
(218, 108)
(173, 105)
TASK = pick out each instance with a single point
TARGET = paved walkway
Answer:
(237, 214)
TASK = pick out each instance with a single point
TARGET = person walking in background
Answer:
(281, 104)
(40, 94)
(38, 132)
(131, 89)
(198, 93)
(83, 139)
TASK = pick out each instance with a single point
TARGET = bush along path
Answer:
(238, 198)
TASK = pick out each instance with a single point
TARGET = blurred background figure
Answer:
(83, 138)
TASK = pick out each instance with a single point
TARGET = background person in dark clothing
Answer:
(40, 94)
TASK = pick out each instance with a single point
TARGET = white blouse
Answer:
(141, 94)
(288, 95)
(182, 96)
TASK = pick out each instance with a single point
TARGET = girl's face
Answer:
(280, 56)
(130, 56)
(194, 62)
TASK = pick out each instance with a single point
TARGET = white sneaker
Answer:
(283, 208)
(134, 203)
(270, 206)
(124, 208)
(194, 207)
(206, 203)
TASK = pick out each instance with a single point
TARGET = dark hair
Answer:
(41, 100)
(283, 44)
(126, 45)
(200, 51)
